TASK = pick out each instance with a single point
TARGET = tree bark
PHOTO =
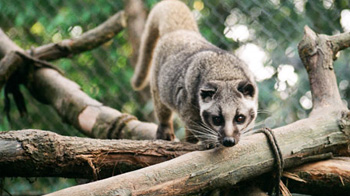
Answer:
(300, 142)
(329, 177)
(36, 153)
(325, 132)
(317, 53)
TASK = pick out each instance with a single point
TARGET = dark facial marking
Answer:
(246, 88)
(251, 113)
(206, 116)
(218, 120)
(207, 94)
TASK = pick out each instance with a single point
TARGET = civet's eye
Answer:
(217, 120)
(240, 119)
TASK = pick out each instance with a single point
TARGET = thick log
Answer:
(36, 153)
(310, 139)
(305, 140)
(329, 177)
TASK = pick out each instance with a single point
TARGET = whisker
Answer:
(252, 128)
(264, 112)
(201, 134)
(207, 136)
(203, 126)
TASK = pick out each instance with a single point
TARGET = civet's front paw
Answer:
(165, 132)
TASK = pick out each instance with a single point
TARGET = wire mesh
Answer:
(265, 34)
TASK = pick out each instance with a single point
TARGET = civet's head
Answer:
(227, 108)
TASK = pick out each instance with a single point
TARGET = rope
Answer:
(278, 156)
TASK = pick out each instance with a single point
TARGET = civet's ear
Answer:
(246, 88)
(207, 92)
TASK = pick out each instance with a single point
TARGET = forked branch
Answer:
(311, 139)
(65, 96)
(317, 52)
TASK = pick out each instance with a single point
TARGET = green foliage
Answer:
(274, 26)
(36, 186)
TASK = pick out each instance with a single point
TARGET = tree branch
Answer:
(340, 42)
(315, 138)
(6, 43)
(73, 105)
(305, 140)
(136, 18)
(317, 52)
(87, 41)
(35, 153)
(311, 139)
(8, 64)
(84, 113)
(136, 15)
(329, 177)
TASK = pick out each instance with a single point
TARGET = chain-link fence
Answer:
(264, 34)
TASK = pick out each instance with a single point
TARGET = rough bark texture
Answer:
(329, 177)
(35, 153)
(73, 105)
(317, 53)
(326, 131)
(194, 172)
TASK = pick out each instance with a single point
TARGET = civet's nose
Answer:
(228, 141)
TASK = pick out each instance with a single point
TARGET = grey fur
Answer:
(193, 78)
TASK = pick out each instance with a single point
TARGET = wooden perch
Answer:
(329, 177)
(35, 153)
(73, 105)
(325, 132)
(300, 142)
